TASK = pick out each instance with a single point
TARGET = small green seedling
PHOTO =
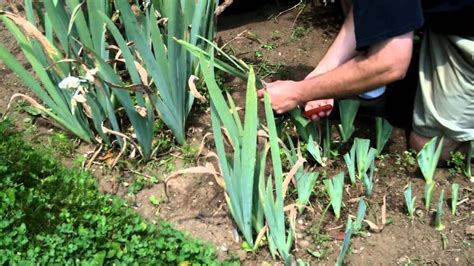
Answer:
(428, 194)
(154, 200)
(300, 262)
(383, 130)
(428, 158)
(444, 240)
(365, 155)
(361, 209)
(348, 110)
(304, 185)
(350, 160)
(454, 197)
(335, 189)
(368, 180)
(410, 201)
(439, 213)
(345, 244)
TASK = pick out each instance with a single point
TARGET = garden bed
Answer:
(284, 46)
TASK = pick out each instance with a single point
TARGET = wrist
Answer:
(300, 93)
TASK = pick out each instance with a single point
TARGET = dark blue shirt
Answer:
(379, 20)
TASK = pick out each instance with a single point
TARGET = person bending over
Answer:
(374, 48)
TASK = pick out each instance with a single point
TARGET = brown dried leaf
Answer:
(203, 144)
(192, 88)
(79, 98)
(143, 74)
(260, 235)
(141, 110)
(292, 173)
(378, 228)
(207, 169)
(108, 158)
(373, 227)
(339, 236)
(31, 31)
(27, 98)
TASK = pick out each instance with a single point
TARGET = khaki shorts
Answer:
(444, 102)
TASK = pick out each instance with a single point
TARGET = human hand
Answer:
(317, 103)
(283, 95)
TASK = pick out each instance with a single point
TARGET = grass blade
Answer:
(439, 213)
(409, 201)
(383, 130)
(368, 180)
(429, 187)
(350, 160)
(454, 197)
(361, 209)
(346, 243)
(249, 147)
(315, 150)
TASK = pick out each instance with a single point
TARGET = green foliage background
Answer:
(50, 214)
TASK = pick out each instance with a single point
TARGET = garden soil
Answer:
(288, 45)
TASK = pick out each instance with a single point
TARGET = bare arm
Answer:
(341, 50)
(383, 63)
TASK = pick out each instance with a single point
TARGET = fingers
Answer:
(320, 115)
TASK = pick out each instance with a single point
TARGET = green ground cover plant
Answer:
(53, 215)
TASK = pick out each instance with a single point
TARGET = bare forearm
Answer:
(341, 50)
(381, 65)
(352, 78)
